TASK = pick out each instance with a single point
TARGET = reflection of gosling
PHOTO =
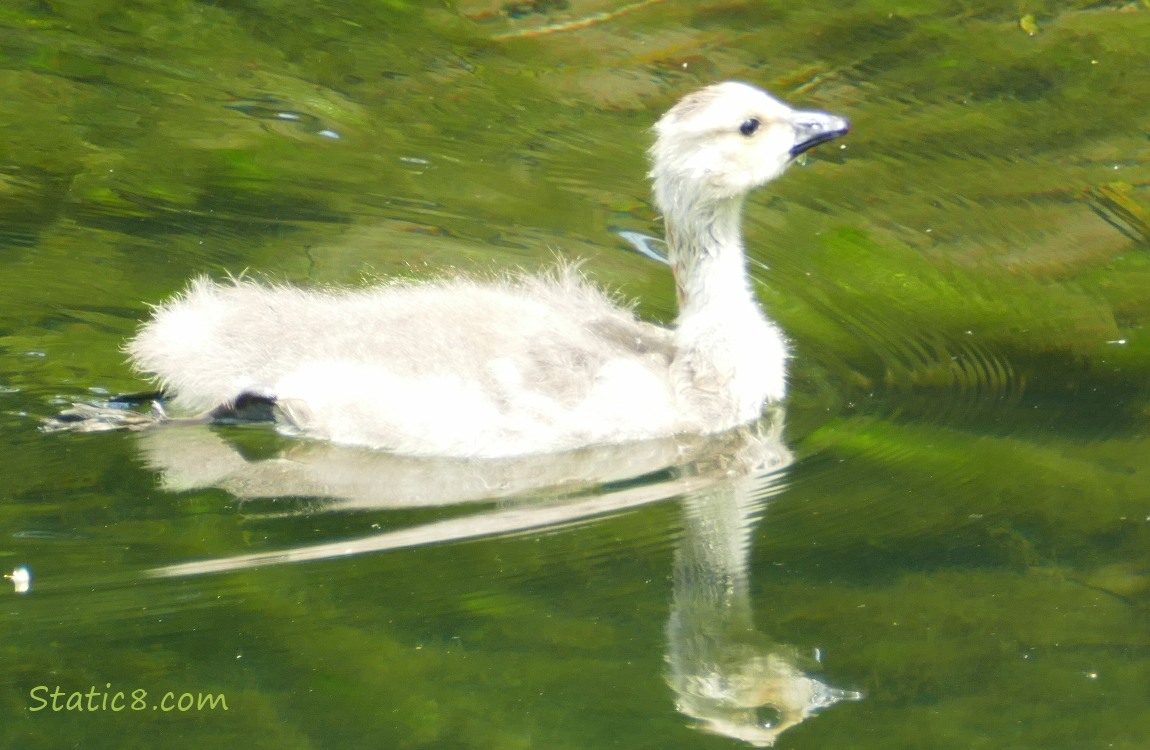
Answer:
(729, 677)
(754, 697)
(531, 365)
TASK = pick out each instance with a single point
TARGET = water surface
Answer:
(950, 521)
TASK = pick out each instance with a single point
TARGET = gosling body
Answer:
(535, 364)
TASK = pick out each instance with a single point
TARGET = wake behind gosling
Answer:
(460, 367)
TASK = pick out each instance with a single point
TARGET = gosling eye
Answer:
(749, 126)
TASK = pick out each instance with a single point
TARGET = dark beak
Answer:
(813, 128)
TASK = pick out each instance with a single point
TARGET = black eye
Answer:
(749, 127)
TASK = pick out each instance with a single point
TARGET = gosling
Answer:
(534, 364)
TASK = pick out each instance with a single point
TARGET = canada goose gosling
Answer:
(460, 367)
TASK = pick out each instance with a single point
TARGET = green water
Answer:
(963, 536)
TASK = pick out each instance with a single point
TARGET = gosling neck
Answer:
(705, 249)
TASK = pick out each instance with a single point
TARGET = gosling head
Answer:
(722, 141)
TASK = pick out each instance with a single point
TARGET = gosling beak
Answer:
(813, 128)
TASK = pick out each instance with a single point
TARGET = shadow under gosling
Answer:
(529, 365)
